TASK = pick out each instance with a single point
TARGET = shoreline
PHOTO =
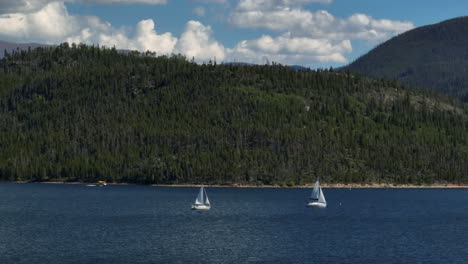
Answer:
(311, 185)
(326, 186)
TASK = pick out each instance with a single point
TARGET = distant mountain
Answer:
(299, 67)
(434, 56)
(237, 63)
(10, 46)
(296, 67)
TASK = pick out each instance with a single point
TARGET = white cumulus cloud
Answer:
(302, 36)
(147, 39)
(50, 23)
(28, 6)
(148, 2)
(319, 24)
(248, 5)
(53, 24)
(22, 6)
(290, 50)
(197, 41)
(305, 36)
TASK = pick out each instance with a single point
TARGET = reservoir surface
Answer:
(58, 223)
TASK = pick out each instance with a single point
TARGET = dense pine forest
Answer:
(85, 113)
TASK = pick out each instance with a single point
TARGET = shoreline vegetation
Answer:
(324, 185)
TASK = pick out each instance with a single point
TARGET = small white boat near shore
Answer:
(317, 199)
(102, 183)
(202, 203)
(99, 183)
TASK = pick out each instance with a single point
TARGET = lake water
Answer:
(45, 223)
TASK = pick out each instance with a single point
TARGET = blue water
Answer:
(42, 223)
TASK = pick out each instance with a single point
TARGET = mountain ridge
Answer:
(11, 47)
(433, 56)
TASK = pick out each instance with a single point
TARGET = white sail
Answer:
(316, 191)
(207, 202)
(321, 198)
(200, 199)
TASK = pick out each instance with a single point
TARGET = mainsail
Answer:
(200, 198)
(321, 198)
(316, 191)
(207, 202)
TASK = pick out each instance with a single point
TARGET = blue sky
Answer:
(315, 33)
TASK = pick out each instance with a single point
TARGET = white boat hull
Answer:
(201, 207)
(317, 205)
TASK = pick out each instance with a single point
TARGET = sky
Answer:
(311, 33)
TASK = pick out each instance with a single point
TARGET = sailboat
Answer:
(202, 202)
(317, 199)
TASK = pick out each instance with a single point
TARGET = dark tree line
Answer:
(85, 113)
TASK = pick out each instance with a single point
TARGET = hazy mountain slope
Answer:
(434, 56)
(11, 47)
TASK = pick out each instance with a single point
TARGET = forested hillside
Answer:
(434, 56)
(83, 113)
